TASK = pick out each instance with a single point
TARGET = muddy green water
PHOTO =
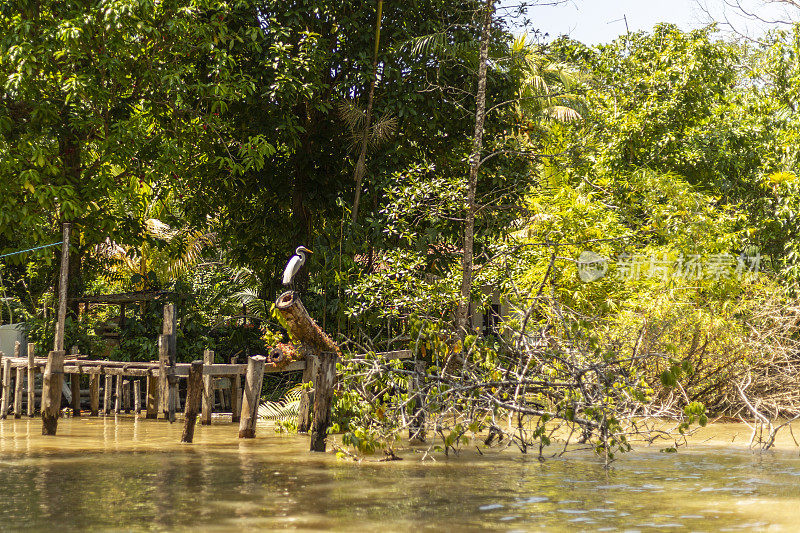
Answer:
(133, 475)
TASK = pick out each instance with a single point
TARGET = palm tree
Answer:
(152, 262)
(544, 86)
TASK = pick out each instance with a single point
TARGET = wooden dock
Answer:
(126, 383)
(145, 388)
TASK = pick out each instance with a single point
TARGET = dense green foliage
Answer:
(195, 143)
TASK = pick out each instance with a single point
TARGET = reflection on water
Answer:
(134, 475)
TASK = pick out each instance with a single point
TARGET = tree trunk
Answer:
(63, 281)
(358, 173)
(462, 315)
(302, 327)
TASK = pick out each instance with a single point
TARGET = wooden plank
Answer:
(324, 384)
(208, 382)
(31, 366)
(51, 392)
(254, 380)
(194, 393)
(94, 394)
(126, 297)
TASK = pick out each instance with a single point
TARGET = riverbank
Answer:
(134, 475)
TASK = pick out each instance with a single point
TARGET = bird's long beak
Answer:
(307, 250)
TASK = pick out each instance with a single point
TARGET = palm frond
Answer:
(430, 44)
(193, 243)
(249, 298)
(439, 44)
(286, 408)
(352, 115)
(383, 129)
(562, 113)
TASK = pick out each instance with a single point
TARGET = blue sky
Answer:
(599, 21)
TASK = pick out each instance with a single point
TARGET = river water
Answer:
(134, 475)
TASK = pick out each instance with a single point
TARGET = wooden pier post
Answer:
(236, 398)
(6, 385)
(118, 394)
(31, 379)
(126, 395)
(416, 429)
(137, 396)
(107, 394)
(194, 393)
(323, 395)
(18, 392)
(208, 398)
(168, 381)
(17, 386)
(94, 394)
(163, 364)
(152, 396)
(252, 394)
(172, 396)
(63, 279)
(51, 391)
(75, 389)
(171, 348)
(305, 411)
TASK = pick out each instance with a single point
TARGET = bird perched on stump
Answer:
(294, 264)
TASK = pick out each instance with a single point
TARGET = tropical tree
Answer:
(101, 98)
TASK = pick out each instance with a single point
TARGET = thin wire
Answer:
(32, 249)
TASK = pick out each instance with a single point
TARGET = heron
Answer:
(294, 264)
